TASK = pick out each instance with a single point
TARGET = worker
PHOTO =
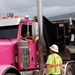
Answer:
(26, 17)
(27, 36)
(35, 19)
(45, 55)
(54, 62)
(72, 31)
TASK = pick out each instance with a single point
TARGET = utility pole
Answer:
(40, 22)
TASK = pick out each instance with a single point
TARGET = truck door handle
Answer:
(32, 59)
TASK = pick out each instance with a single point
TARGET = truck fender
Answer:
(65, 66)
(8, 70)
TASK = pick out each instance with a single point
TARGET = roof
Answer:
(29, 22)
(10, 21)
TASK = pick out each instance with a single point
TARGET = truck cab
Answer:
(14, 49)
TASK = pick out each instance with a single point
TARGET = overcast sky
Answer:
(29, 7)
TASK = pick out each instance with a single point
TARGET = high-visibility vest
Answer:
(56, 63)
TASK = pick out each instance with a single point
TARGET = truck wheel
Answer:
(69, 70)
(12, 71)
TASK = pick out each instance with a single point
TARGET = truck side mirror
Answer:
(35, 29)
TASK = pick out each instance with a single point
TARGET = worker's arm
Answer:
(62, 72)
(48, 64)
(48, 68)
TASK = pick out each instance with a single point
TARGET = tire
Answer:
(11, 71)
(69, 70)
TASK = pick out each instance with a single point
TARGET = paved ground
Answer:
(36, 72)
(26, 73)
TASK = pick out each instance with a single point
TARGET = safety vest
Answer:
(56, 64)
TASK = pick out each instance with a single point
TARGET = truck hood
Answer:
(6, 43)
(7, 49)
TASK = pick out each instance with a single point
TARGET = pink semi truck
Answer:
(16, 53)
(20, 54)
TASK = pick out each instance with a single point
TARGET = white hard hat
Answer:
(54, 48)
(27, 16)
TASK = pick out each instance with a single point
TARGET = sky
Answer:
(29, 7)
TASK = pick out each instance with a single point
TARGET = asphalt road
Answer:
(36, 72)
(26, 73)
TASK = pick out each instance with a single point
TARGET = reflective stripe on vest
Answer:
(55, 65)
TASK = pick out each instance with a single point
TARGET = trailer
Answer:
(61, 32)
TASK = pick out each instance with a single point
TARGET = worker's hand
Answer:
(62, 73)
(44, 73)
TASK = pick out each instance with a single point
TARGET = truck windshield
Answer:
(8, 32)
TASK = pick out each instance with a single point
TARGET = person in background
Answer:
(71, 31)
(45, 54)
(54, 62)
(27, 35)
(35, 19)
(27, 19)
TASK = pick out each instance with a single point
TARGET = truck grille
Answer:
(24, 47)
(22, 43)
(25, 57)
